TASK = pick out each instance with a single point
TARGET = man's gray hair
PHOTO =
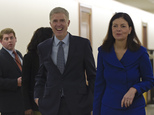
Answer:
(59, 10)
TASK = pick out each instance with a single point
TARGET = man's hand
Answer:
(36, 101)
(19, 81)
(29, 112)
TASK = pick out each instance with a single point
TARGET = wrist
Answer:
(133, 89)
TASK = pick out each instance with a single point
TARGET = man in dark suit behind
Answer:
(11, 102)
(65, 92)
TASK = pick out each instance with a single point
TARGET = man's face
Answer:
(8, 41)
(59, 24)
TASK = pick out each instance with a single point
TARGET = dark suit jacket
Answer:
(50, 82)
(29, 71)
(114, 78)
(10, 94)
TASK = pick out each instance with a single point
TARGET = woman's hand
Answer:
(128, 97)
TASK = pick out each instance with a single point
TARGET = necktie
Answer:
(17, 60)
(60, 57)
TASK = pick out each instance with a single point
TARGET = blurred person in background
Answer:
(30, 69)
(11, 100)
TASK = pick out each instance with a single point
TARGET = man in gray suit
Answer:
(61, 87)
(11, 102)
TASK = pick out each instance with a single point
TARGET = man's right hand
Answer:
(19, 81)
(29, 112)
(36, 101)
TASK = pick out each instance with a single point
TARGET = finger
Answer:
(128, 104)
(131, 101)
(122, 102)
(125, 103)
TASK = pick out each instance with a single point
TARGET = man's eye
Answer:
(54, 20)
(6, 39)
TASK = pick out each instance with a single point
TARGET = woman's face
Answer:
(120, 29)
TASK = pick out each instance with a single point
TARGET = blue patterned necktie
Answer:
(60, 58)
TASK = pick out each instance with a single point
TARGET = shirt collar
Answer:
(65, 40)
(9, 51)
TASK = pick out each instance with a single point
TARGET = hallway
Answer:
(150, 109)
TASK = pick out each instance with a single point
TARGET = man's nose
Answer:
(9, 39)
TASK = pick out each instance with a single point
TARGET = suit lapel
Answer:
(49, 45)
(19, 54)
(70, 51)
(111, 58)
(10, 58)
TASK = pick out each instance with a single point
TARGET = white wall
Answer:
(25, 16)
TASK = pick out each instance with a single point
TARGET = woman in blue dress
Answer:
(124, 71)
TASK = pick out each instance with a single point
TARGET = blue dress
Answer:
(114, 78)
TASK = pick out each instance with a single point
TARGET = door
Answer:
(85, 22)
(144, 38)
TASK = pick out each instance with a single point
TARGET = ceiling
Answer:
(147, 5)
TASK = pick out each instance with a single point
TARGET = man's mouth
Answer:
(59, 29)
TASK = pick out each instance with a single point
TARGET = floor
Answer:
(149, 110)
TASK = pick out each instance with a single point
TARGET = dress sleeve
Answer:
(100, 85)
(146, 73)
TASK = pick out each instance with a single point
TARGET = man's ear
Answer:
(68, 22)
